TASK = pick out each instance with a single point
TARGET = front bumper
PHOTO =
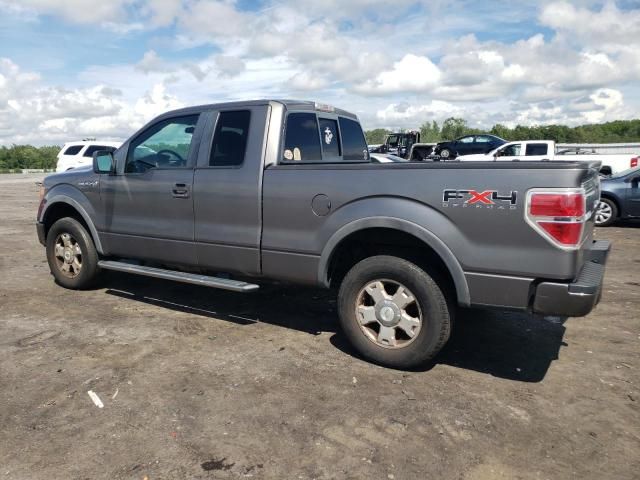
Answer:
(41, 233)
(577, 298)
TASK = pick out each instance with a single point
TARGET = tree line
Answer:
(611, 132)
(27, 156)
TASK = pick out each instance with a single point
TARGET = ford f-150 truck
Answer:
(225, 195)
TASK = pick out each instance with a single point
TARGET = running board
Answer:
(193, 278)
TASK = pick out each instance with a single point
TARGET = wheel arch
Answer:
(62, 206)
(430, 247)
(615, 200)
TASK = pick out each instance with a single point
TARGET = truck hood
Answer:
(72, 176)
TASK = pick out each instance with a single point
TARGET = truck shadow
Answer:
(511, 345)
(308, 310)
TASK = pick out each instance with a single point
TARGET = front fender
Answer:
(73, 197)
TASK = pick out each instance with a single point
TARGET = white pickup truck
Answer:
(537, 150)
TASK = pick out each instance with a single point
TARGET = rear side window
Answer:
(354, 146)
(302, 141)
(73, 150)
(230, 139)
(94, 148)
(330, 138)
(536, 149)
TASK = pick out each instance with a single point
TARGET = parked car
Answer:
(80, 154)
(619, 197)
(285, 190)
(467, 145)
(546, 150)
(385, 158)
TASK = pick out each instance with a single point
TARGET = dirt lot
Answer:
(199, 383)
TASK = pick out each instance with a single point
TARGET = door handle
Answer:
(180, 190)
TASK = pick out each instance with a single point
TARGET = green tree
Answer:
(376, 136)
(430, 132)
(453, 128)
(28, 156)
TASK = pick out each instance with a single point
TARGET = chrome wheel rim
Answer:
(388, 314)
(444, 153)
(603, 212)
(68, 255)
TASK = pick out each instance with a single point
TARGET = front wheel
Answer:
(445, 153)
(393, 312)
(71, 254)
(606, 212)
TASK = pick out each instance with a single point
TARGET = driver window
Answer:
(164, 145)
(466, 140)
(511, 150)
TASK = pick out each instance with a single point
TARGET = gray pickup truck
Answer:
(225, 195)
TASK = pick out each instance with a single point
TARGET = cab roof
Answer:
(288, 104)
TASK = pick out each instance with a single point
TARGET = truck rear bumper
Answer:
(577, 298)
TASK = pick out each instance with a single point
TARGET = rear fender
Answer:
(431, 240)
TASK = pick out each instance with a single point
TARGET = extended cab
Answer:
(547, 150)
(285, 190)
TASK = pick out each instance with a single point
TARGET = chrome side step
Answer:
(193, 278)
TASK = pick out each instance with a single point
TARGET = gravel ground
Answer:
(202, 384)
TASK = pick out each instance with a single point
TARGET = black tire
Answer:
(435, 312)
(77, 278)
(446, 154)
(612, 214)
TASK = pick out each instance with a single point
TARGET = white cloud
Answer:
(229, 66)
(403, 65)
(607, 29)
(34, 113)
(78, 11)
(414, 114)
(151, 62)
(306, 82)
(411, 74)
(214, 19)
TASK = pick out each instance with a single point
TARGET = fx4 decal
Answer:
(476, 199)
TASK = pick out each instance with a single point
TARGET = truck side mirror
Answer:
(103, 162)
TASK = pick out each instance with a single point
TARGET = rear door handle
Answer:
(180, 190)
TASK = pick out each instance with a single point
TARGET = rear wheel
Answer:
(71, 254)
(393, 312)
(606, 212)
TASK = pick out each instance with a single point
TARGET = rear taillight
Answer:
(634, 162)
(558, 215)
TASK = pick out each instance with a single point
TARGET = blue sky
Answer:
(76, 68)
